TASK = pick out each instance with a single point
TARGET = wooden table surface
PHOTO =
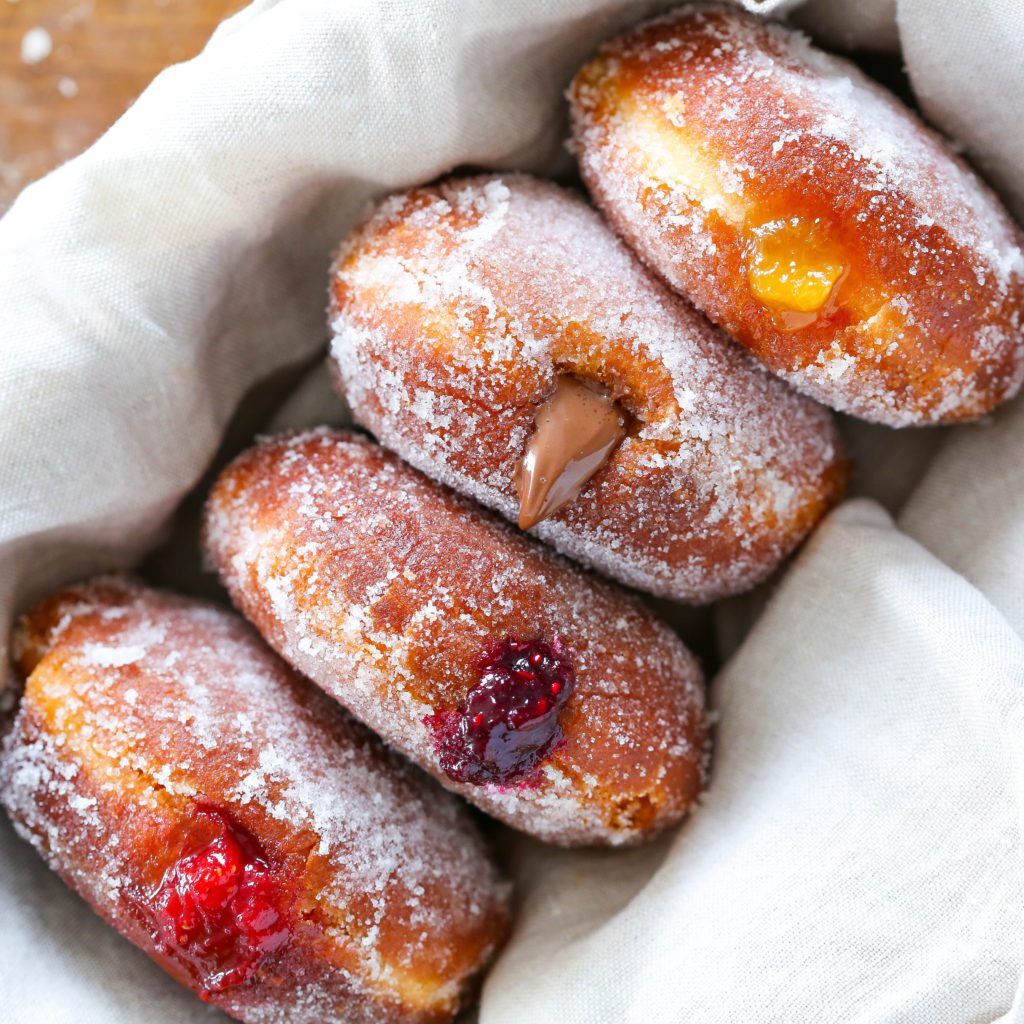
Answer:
(69, 68)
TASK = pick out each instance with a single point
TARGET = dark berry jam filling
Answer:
(508, 723)
(218, 909)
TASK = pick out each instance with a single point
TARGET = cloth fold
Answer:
(858, 856)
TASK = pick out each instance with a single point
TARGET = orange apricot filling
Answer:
(795, 270)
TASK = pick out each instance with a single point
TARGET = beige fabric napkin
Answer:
(859, 854)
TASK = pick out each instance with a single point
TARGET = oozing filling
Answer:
(508, 723)
(795, 269)
(575, 432)
(218, 910)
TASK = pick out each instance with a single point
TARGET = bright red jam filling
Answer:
(218, 910)
(508, 723)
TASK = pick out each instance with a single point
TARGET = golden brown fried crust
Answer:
(454, 309)
(384, 587)
(141, 708)
(697, 130)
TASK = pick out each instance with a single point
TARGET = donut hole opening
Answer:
(630, 409)
(796, 270)
(576, 430)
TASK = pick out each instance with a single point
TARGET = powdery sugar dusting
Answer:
(707, 119)
(454, 309)
(384, 588)
(178, 702)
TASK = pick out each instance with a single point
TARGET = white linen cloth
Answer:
(859, 854)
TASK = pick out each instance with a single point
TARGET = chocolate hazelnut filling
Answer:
(575, 432)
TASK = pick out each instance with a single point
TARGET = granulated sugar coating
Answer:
(390, 592)
(456, 307)
(152, 726)
(707, 134)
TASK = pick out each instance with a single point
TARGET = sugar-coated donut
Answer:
(457, 308)
(543, 695)
(808, 212)
(234, 824)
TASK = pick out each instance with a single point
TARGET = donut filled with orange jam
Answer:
(495, 333)
(548, 697)
(808, 212)
(233, 823)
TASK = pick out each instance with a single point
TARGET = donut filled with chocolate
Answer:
(808, 212)
(496, 334)
(233, 823)
(542, 694)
